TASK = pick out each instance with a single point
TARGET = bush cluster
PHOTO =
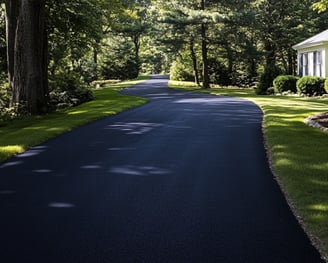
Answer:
(67, 89)
(311, 86)
(326, 85)
(285, 83)
(126, 68)
(307, 85)
(218, 72)
(181, 72)
(7, 112)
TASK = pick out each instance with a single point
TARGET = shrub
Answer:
(181, 71)
(270, 91)
(243, 80)
(218, 72)
(67, 89)
(326, 85)
(311, 86)
(6, 112)
(266, 79)
(285, 83)
(120, 69)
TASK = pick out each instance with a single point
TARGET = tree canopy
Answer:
(321, 6)
(53, 59)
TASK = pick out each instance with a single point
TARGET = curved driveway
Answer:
(183, 178)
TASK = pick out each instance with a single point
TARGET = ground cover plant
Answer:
(18, 135)
(298, 154)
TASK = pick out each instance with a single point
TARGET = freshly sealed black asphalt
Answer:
(184, 178)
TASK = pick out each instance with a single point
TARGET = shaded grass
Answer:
(18, 135)
(298, 153)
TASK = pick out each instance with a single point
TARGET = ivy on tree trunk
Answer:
(27, 54)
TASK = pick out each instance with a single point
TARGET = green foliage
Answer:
(270, 91)
(74, 27)
(120, 69)
(326, 85)
(119, 61)
(155, 57)
(116, 39)
(181, 71)
(153, 63)
(320, 6)
(6, 112)
(218, 72)
(266, 79)
(243, 79)
(311, 86)
(284, 83)
(67, 89)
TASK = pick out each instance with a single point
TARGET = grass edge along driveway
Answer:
(298, 154)
(18, 135)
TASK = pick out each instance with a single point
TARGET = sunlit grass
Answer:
(9, 150)
(299, 153)
(18, 135)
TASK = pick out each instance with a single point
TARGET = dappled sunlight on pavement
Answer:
(184, 178)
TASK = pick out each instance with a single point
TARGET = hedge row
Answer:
(307, 85)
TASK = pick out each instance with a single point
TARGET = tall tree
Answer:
(27, 53)
(3, 45)
(278, 29)
(177, 31)
(194, 17)
(133, 23)
(206, 78)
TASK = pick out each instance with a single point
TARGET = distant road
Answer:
(183, 178)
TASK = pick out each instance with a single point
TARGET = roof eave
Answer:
(308, 45)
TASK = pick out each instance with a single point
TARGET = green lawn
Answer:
(18, 135)
(299, 154)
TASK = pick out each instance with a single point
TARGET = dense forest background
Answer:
(241, 42)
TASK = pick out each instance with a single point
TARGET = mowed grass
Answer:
(298, 153)
(18, 135)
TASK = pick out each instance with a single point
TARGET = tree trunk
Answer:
(206, 78)
(230, 56)
(12, 10)
(194, 59)
(270, 49)
(28, 54)
(136, 41)
(291, 64)
(95, 59)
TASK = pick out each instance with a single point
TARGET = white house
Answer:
(312, 56)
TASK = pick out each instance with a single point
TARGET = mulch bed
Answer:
(319, 121)
(322, 119)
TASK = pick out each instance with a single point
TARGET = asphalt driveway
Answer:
(183, 178)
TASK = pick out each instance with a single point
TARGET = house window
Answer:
(317, 63)
(305, 64)
(300, 64)
(311, 64)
